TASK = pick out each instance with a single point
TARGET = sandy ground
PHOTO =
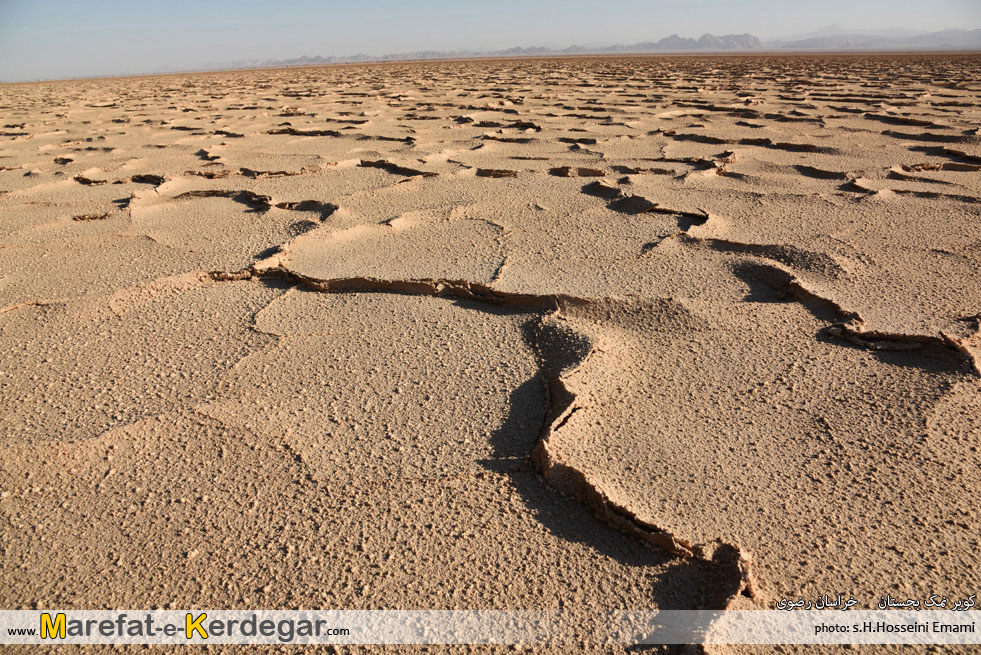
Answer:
(572, 333)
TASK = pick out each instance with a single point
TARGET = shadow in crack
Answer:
(769, 284)
(929, 355)
(675, 582)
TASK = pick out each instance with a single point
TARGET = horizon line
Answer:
(462, 56)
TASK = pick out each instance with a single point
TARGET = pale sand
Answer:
(584, 333)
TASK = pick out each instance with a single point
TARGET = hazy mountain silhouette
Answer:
(832, 38)
(837, 39)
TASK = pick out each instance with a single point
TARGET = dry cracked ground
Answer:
(585, 334)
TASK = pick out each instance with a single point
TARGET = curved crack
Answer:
(245, 197)
(395, 169)
(733, 563)
(843, 323)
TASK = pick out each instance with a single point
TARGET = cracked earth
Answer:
(590, 334)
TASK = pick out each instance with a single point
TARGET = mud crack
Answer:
(734, 565)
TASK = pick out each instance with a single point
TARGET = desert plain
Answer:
(571, 333)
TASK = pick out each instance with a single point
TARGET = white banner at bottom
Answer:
(487, 627)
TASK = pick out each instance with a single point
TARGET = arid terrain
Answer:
(578, 333)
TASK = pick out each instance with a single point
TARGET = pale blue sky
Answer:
(44, 39)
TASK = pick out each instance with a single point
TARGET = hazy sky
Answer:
(56, 39)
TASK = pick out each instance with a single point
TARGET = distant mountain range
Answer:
(834, 38)
(829, 39)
